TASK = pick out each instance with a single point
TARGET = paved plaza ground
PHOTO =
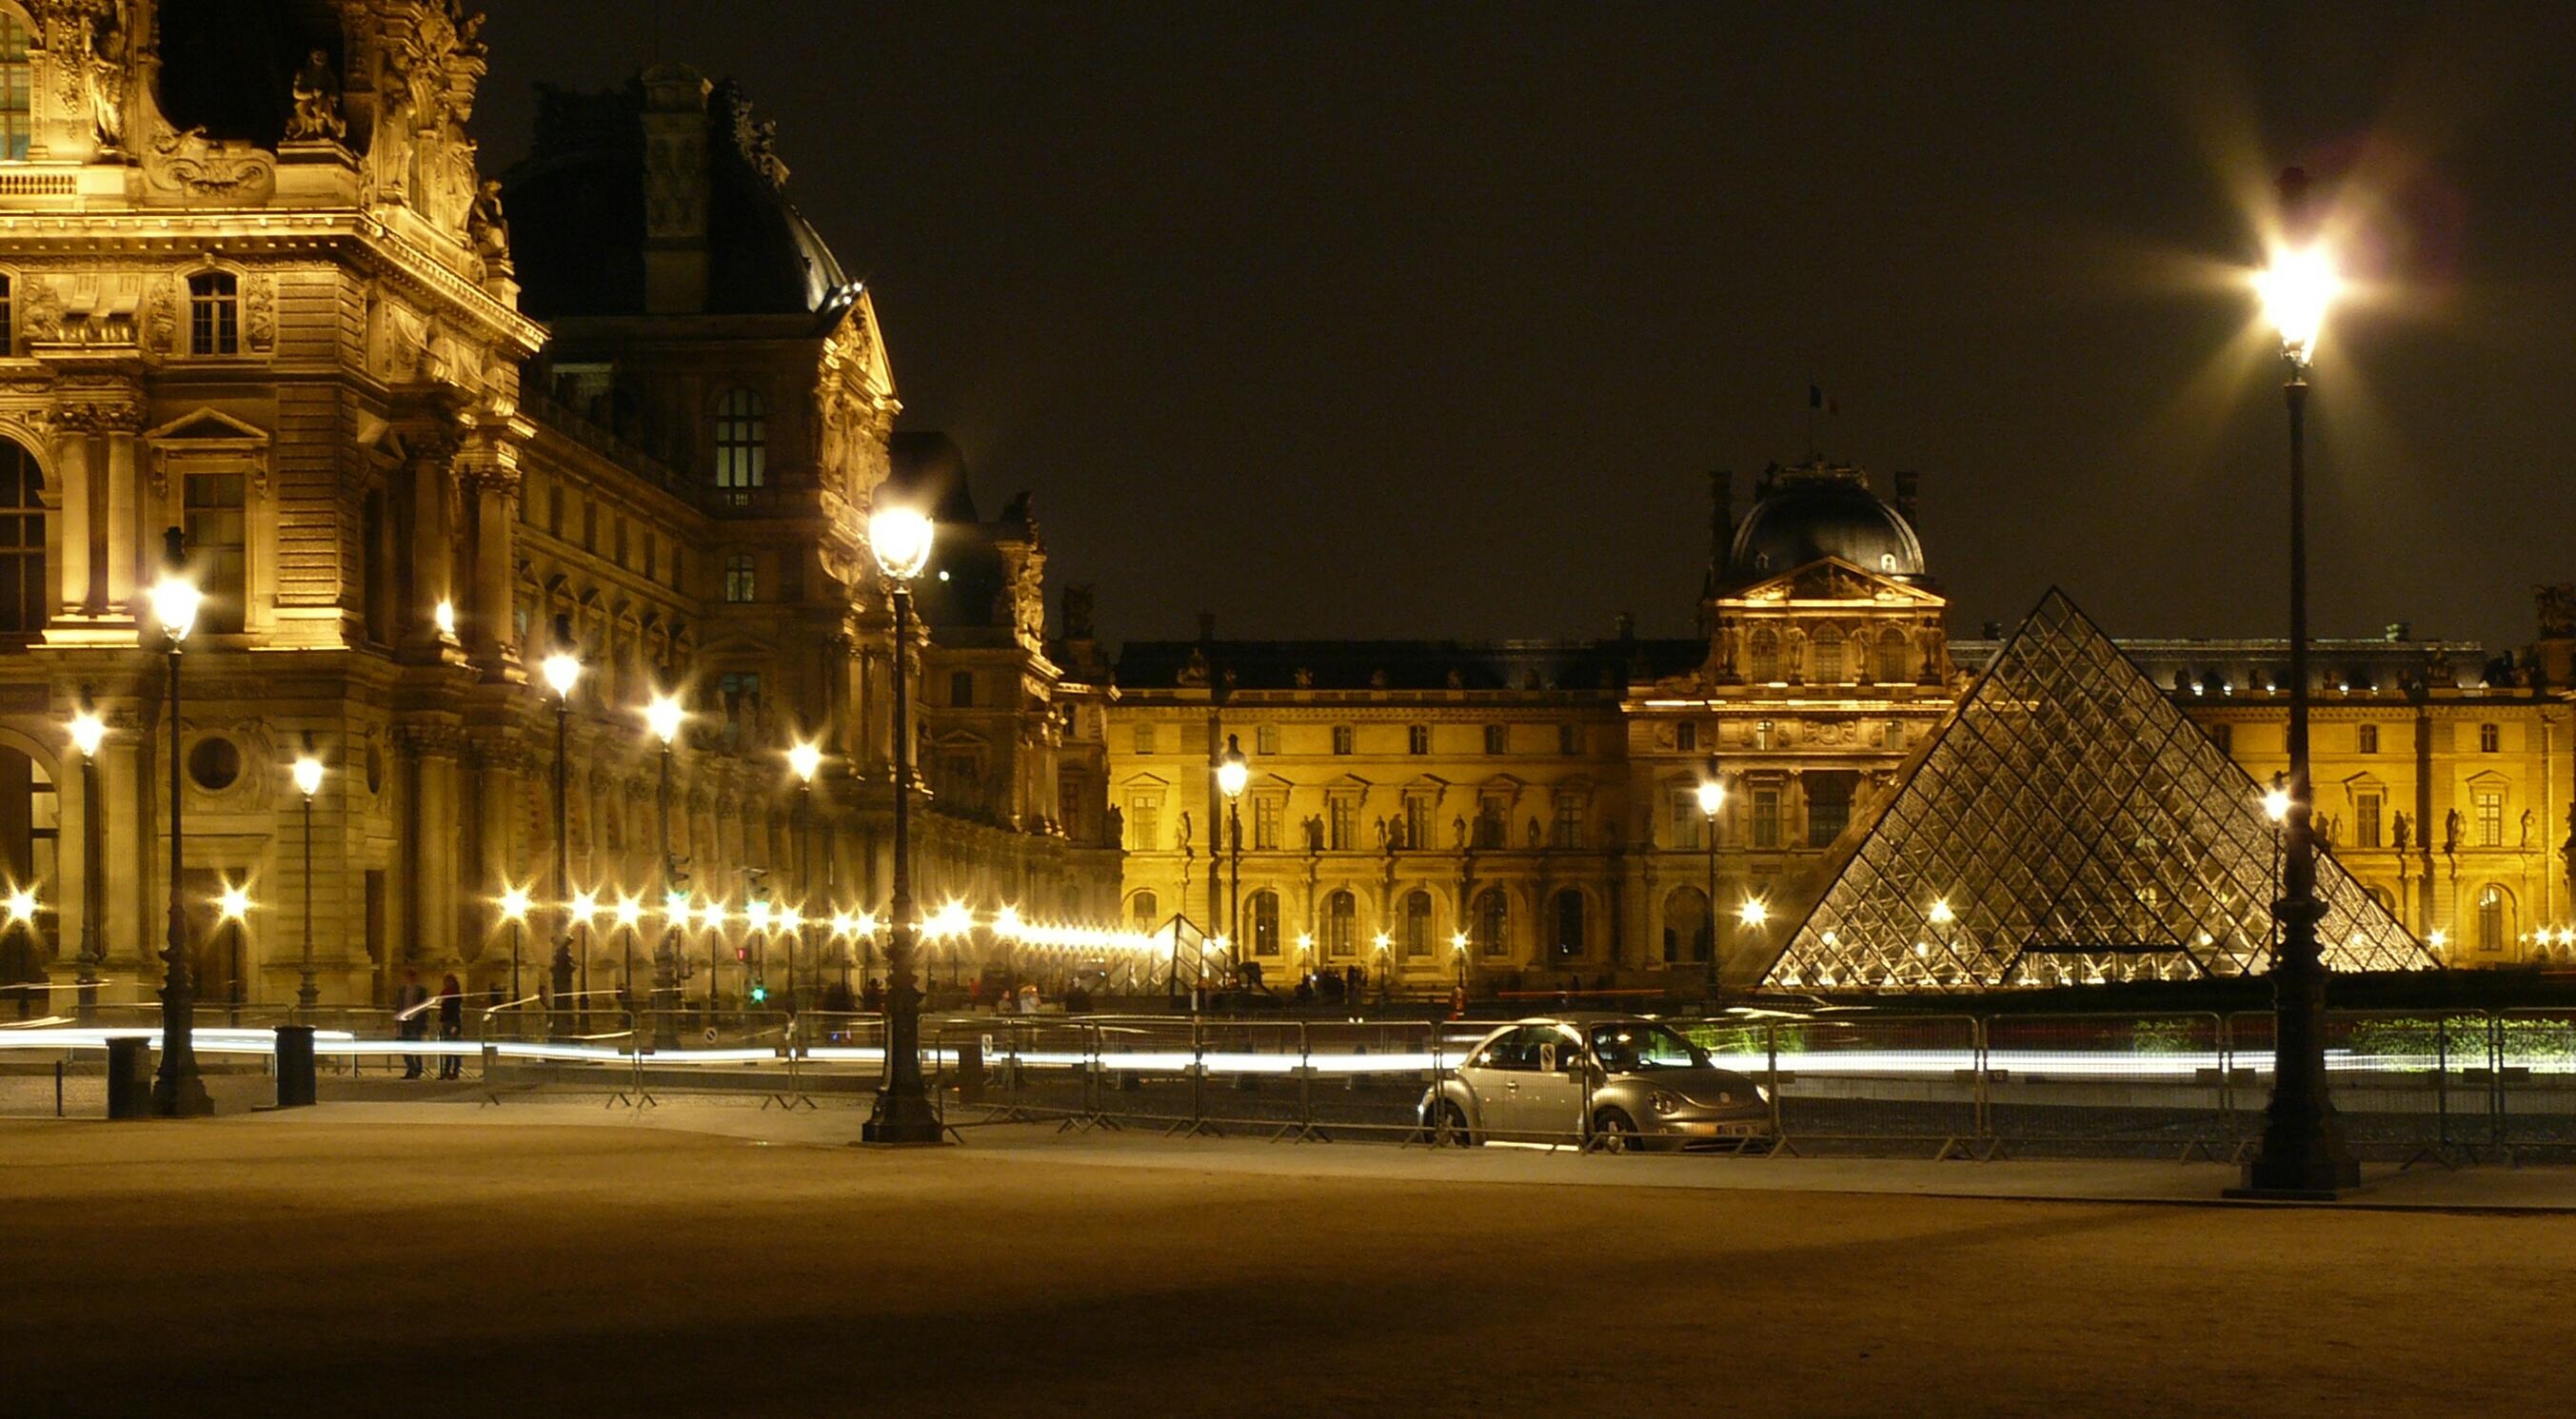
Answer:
(560, 1259)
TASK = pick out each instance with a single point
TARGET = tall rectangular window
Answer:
(742, 446)
(1144, 834)
(1265, 824)
(1498, 739)
(1569, 739)
(218, 529)
(1688, 821)
(2490, 806)
(2365, 739)
(1417, 739)
(1568, 828)
(1265, 739)
(17, 111)
(22, 541)
(1345, 739)
(2365, 820)
(2490, 739)
(1828, 811)
(961, 689)
(742, 578)
(1144, 739)
(1417, 823)
(7, 310)
(214, 314)
(1686, 736)
(1766, 817)
(1342, 824)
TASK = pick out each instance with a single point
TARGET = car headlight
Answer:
(1664, 1103)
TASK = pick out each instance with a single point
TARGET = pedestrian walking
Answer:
(411, 1018)
(872, 997)
(1028, 997)
(451, 1025)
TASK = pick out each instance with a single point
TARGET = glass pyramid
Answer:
(2068, 825)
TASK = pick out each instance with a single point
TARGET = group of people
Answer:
(413, 1007)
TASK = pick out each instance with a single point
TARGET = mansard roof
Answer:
(1406, 666)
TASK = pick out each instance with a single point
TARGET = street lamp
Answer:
(804, 760)
(630, 915)
(900, 537)
(177, 1091)
(20, 909)
(711, 919)
(1712, 797)
(88, 732)
(663, 716)
(562, 669)
(582, 911)
(308, 781)
(232, 907)
(757, 916)
(2276, 806)
(2302, 1154)
(514, 910)
(1232, 773)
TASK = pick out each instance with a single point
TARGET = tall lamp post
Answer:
(663, 716)
(2303, 1153)
(2276, 806)
(308, 782)
(88, 733)
(804, 760)
(562, 670)
(20, 909)
(1712, 797)
(900, 537)
(177, 1091)
(514, 910)
(1232, 774)
(630, 915)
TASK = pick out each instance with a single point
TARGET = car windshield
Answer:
(1629, 1049)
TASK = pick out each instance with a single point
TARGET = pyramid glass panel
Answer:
(2074, 826)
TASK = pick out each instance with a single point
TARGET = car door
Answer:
(1486, 1071)
(1549, 1104)
(1508, 1063)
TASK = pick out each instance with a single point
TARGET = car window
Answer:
(1517, 1051)
(1555, 1049)
(1637, 1047)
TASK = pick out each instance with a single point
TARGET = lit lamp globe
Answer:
(663, 716)
(900, 539)
(805, 760)
(1753, 912)
(630, 910)
(1233, 772)
(1712, 796)
(175, 602)
(21, 906)
(2296, 291)
(675, 908)
(233, 904)
(514, 904)
(757, 914)
(308, 775)
(88, 733)
(2276, 804)
(562, 671)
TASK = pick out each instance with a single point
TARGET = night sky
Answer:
(1414, 320)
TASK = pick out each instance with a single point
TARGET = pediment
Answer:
(1833, 580)
(207, 425)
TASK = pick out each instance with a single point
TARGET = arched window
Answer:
(1341, 924)
(1265, 923)
(2495, 918)
(742, 445)
(1892, 668)
(214, 314)
(1569, 923)
(1144, 910)
(22, 542)
(1766, 658)
(1493, 923)
(1417, 923)
(1829, 657)
(17, 112)
(1687, 926)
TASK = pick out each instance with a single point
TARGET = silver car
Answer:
(1614, 1082)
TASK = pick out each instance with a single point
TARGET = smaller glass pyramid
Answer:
(2069, 825)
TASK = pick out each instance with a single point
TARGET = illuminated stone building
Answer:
(1539, 800)
(422, 429)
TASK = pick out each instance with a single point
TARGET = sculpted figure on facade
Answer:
(317, 102)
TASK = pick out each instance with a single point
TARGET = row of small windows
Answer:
(1836, 660)
(1346, 737)
(2365, 738)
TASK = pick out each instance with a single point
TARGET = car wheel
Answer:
(1615, 1132)
(1456, 1118)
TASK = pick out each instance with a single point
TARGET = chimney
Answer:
(1906, 484)
(675, 190)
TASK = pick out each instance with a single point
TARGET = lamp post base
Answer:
(184, 1097)
(902, 1119)
(2302, 1160)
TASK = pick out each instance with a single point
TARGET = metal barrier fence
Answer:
(2446, 1086)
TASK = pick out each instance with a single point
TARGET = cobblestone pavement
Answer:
(396, 1259)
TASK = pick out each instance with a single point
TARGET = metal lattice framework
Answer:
(2068, 824)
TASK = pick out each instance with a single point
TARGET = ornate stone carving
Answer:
(2557, 610)
(40, 312)
(487, 229)
(259, 313)
(317, 102)
(161, 319)
(195, 165)
(418, 153)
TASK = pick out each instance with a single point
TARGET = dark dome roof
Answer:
(576, 209)
(1822, 511)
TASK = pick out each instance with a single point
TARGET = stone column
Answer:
(489, 467)
(439, 897)
(71, 516)
(434, 506)
(132, 836)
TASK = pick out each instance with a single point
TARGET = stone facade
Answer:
(281, 308)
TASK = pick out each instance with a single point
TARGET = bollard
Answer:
(294, 1066)
(970, 1071)
(129, 1077)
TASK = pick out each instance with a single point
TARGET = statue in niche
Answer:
(2402, 841)
(1182, 838)
(2451, 832)
(2526, 829)
(1458, 833)
(101, 67)
(487, 228)
(1533, 833)
(317, 102)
